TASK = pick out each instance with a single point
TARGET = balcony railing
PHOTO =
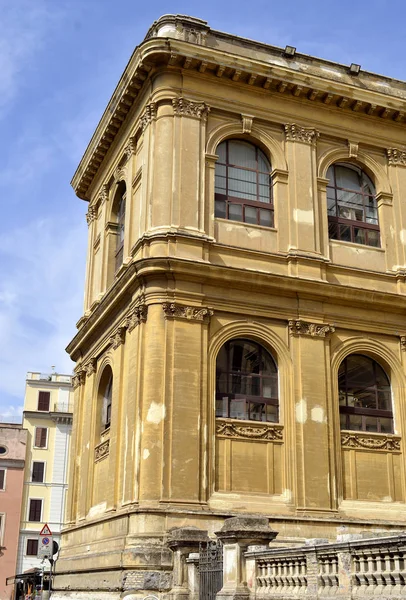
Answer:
(63, 407)
(364, 568)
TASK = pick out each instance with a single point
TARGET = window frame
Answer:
(41, 395)
(38, 462)
(120, 220)
(244, 202)
(347, 411)
(35, 541)
(29, 510)
(335, 221)
(3, 487)
(46, 440)
(249, 398)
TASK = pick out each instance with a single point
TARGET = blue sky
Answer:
(59, 63)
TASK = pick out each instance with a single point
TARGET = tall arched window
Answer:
(105, 396)
(351, 205)
(246, 382)
(364, 395)
(120, 216)
(243, 184)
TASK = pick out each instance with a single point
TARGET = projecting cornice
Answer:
(189, 44)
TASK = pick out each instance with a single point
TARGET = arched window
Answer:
(105, 399)
(351, 205)
(246, 382)
(364, 395)
(243, 184)
(120, 216)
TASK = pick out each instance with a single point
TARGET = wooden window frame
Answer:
(44, 399)
(38, 462)
(3, 479)
(45, 446)
(35, 543)
(232, 200)
(30, 500)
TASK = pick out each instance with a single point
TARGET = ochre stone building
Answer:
(242, 350)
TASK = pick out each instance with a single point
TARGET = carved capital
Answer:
(148, 115)
(129, 150)
(90, 367)
(120, 174)
(247, 121)
(188, 108)
(102, 450)
(79, 378)
(118, 338)
(296, 133)
(103, 195)
(136, 315)
(299, 327)
(191, 313)
(402, 342)
(268, 432)
(396, 157)
(91, 214)
(367, 441)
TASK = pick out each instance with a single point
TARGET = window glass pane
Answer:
(373, 238)
(265, 217)
(365, 399)
(371, 211)
(343, 421)
(331, 207)
(235, 212)
(250, 214)
(264, 193)
(271, 413)
(242, 183)
(359, 235)
(367, 185)
(221, 152)
(330, 175)
(347, 178)
(222, 407)
(371, 424)
(257, 411)
(344, 233)
(264, 179)
(355, 422)
(238, 409)
(263, 163)
(386, 425)
(221, 382)
(220, 210)
(333, 230)
(220, 185)
(242, 154)
(384, 399)
(270, 387)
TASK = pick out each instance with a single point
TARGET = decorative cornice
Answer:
(188, 108)
(118, 338)
(247, 121)
(191, 313)
(263, 432)
(396, 157)
(370, 442)
(79, 378)
(91, 214)
(148, 115)
(136, 315)
(296, 133)
(299, 327)
(90, 367)
(101, 450)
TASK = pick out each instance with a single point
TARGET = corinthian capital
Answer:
(188, 108)
(296, 133)
(191, 313)
(396, 157)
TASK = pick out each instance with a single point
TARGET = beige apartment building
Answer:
(47, 417)
(242, 349)
(13, 443)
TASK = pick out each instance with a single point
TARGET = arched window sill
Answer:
(356, 246)
(243, 224)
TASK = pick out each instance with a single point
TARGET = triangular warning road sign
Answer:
(45, 530)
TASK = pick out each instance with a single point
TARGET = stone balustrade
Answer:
(361, 568)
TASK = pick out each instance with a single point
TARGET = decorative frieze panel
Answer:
(359, 441)
(299, 327)
(396, 157)
(188, 108)
(296, 133)
(118, 338)
(136, 315)
(101, 450)
(191, 313)
(266, 432)
(148, 115)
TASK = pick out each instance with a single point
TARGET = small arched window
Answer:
(105, 396)
(120, 219)
(246, 382)
(351, 206)
(243, 184)
(364, 395)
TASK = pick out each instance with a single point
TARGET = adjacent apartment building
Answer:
(13, 443)
(47, 418)
(242, 348)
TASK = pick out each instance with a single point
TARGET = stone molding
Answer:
(118, 337)
(247, 121)
(183, 107)
(299, 327)
(359, 441)
(188, 29)
(267, 432)
(296, 133)
(102, 450)
(352, 149)
(136, 316)
(148, 115)
(396, 157)
(172, 310)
